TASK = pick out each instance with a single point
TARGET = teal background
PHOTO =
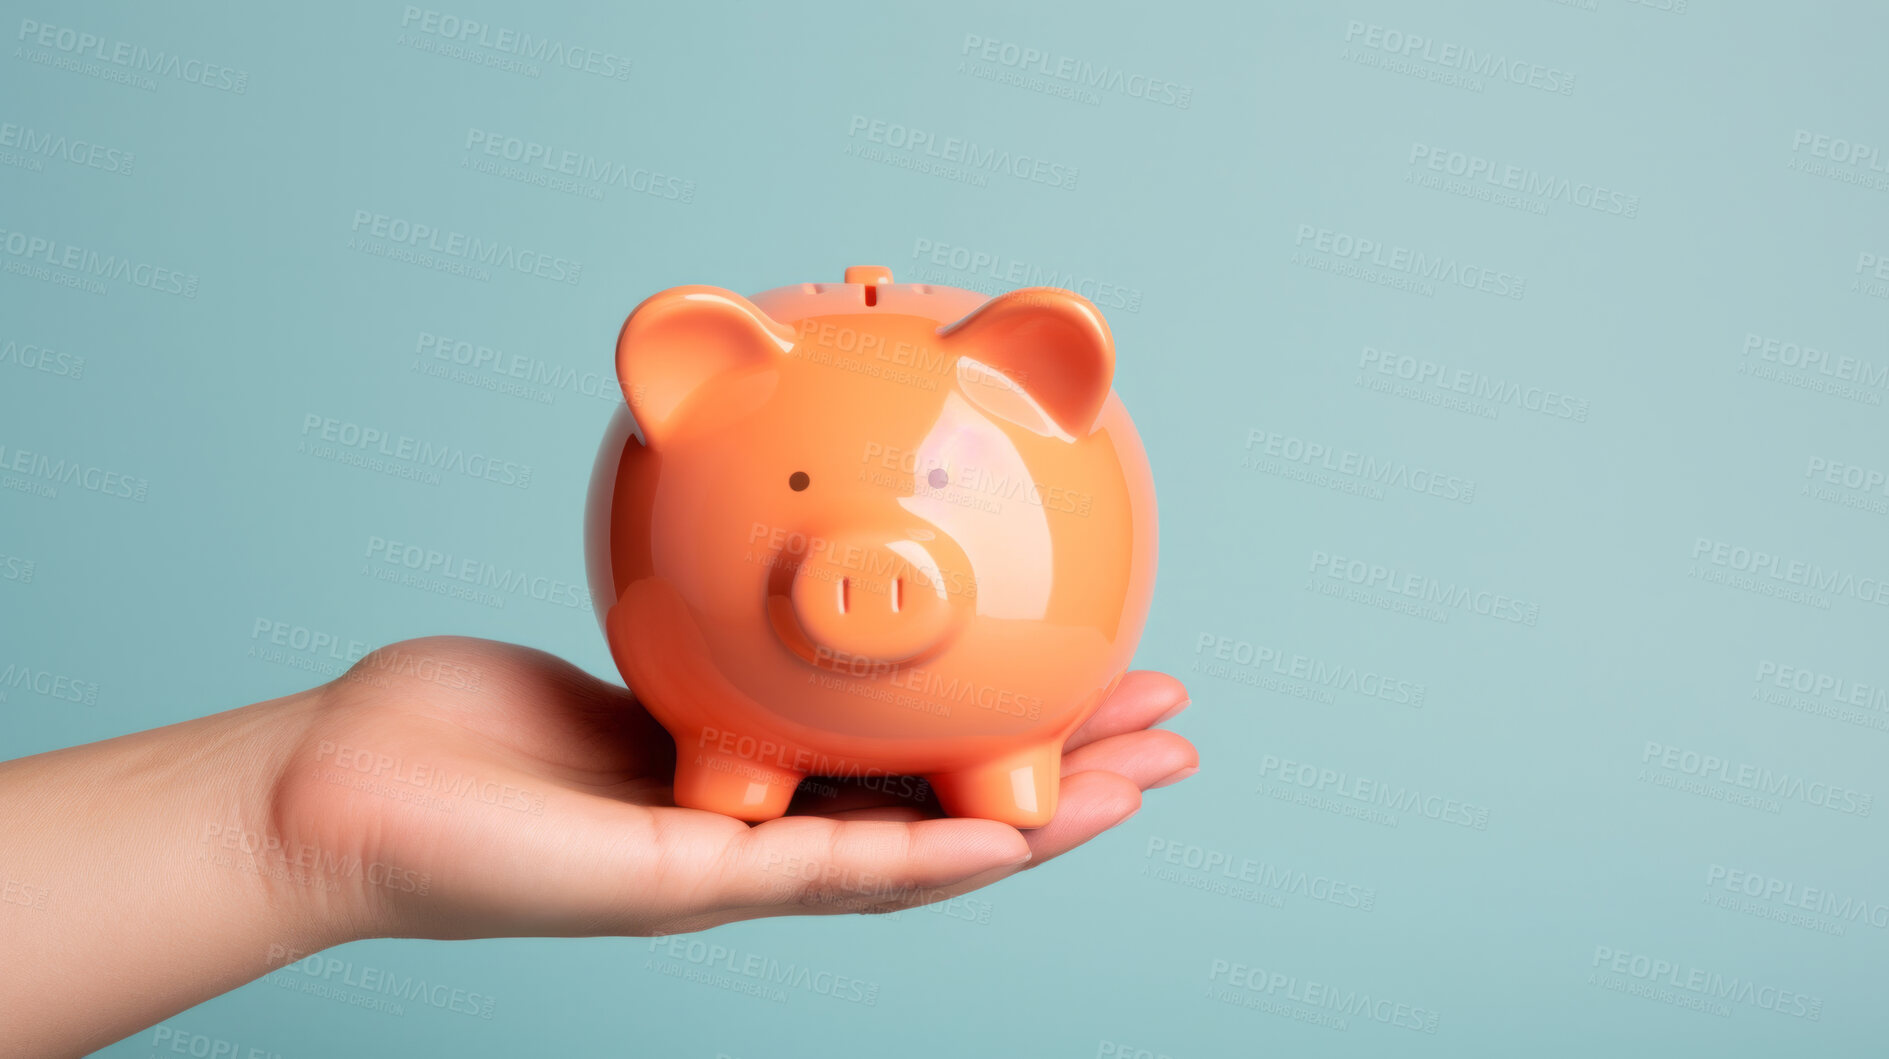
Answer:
(1197, 210)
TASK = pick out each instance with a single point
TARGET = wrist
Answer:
(304, 872)
(164, 858)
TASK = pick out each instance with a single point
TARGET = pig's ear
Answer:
(1052, 343)
(679, 341)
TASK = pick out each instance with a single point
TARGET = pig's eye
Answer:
(938, 478)
(798, 481)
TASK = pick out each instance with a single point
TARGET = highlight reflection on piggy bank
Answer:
(870, 530)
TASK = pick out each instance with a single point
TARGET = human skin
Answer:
(454, 788)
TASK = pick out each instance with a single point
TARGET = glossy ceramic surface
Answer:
(873, 531)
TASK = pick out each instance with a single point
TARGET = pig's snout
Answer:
(887, 601)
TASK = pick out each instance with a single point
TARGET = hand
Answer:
(461, 788)
(453, 788)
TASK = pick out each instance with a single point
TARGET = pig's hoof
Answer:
(733, 786)
(1019, 790)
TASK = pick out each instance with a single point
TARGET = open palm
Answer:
(455, 788)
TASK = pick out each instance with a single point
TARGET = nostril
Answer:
(886, 602)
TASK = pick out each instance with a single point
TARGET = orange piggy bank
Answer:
(873, 531)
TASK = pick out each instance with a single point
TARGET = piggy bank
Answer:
(870, 530)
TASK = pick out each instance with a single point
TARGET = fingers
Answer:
(869, 850)
(1143, 699)
(1148, 759)
(820, 865)
(881, 858)
(1089, 804)
(1145, 759)
(1101, 786)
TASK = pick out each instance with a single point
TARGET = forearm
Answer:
(145, 875)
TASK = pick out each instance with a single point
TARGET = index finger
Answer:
(1143, 699)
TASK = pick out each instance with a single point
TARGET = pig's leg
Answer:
(730, 785)
(1018, 789)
